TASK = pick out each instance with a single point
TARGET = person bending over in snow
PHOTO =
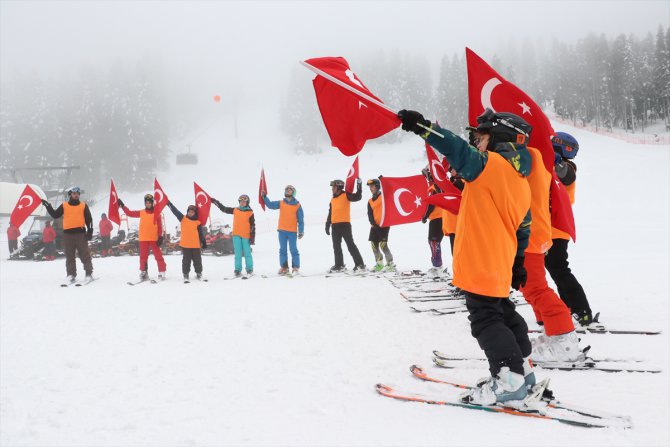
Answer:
(192, 240)
(150, 236)
(290, 228)
(492, 229)
(77, 231)
(244, 232)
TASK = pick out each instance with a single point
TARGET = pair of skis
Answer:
(540, 404)
(78, 283)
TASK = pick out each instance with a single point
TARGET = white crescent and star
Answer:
(158, 192)
(114, 198)
(435, 170)
(352, 77)
(351, 172)
(525, 108)
(487, 91)
(201, 194)
(396, 201)
(30, 201)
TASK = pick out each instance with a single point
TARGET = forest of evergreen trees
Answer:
(621, 82)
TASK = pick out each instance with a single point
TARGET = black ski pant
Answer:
(569, 289)
(339, 231)
(500, 331)
(191, 255)
(76, 243)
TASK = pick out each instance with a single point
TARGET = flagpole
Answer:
(361, 94)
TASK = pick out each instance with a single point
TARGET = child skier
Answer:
(290, 228)
(492, 230)
(49, 241)
(150, 235)
(379, 236)
(192, 240)
(77, 231)
(106, 228)
(556, 261)
(244, 233)
(339, 217)
(435, 234)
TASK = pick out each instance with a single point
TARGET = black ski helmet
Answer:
(243, 197)
(338, 183)
(565, 144)
(376, 182)
(503, 127)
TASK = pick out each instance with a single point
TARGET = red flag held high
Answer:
(404, 199)
(262, 189)
(27, 203)
(113, 208)
(350, 119)
(160, 199)
(487, 89)
(439, 172)
(352, 175)
(203, 201)
(446, 201)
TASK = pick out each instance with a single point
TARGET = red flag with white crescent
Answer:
(203, 201)
(487, 89)
(404, 199)
(438, 171)
(27, 203)
(352, 175)
(113, 208)
(262, 189)
(446, 201)
(160, 200)
(350, 119)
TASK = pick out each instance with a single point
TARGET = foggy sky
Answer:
(224, 47)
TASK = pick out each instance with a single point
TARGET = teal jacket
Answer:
(469, 163)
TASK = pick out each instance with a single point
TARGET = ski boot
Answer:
(359, 269)
(144, 275)
(198, 276)
(70, 279)
(557, 348)
(378, 267)
(338, 269)
(282, 271)
(237, 273)
(503, 387)
(88, 278)
(295, 271)
(161, 276)
(186, 278)
(390, 267)
(250, 273)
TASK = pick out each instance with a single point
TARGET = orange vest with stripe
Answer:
(189, 233)
(241, 224)
(492, 209)
(437, 211)
(148, 228)
(288, 216)
(540, 228)
(448, 222)
(376, 206)
(340, 210)
(73, 216)
(555, 232)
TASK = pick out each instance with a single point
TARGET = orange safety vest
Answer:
(540, 228)
(148, 227)
(448, 222)
(73, 216)
(288, 216)
(241, 224)
(340, 209)
(376, 205)
(437, 211)
(189, 233)
(492, 209)
(555, 232)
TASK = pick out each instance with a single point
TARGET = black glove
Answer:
(45, 203)
(215, 202)
(327, 228)
(159, 242)
(89, 234)
(203, 245)
(120, 202)
(519, 274)
(300, 235)
(252, 242)
(410, 119)
(424, 220)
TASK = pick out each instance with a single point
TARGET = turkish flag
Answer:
(262, 189)
(446, 201)
(404, 199)
(487, 89)
(350, 119)
(203, 201)
(28, 202)
(159, 203)
(352, 175)
(113, 208)
(438, 171)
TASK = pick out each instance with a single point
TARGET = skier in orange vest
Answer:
(192, 240)
(244, 233)
(290, 228)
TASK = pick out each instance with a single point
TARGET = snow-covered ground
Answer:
(293, 362)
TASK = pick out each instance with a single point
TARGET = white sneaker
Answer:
(506, 386)
(557, 348)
